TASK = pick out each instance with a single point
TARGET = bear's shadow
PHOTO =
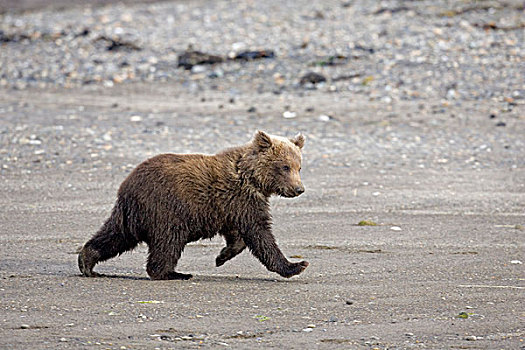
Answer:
(201, 278)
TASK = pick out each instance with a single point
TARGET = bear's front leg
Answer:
(260, 240)
(234, 246)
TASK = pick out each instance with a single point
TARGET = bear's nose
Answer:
(299, 189)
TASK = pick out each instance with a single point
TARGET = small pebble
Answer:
(289, 115)
(395, 228)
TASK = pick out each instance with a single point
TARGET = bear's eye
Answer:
(286, 168)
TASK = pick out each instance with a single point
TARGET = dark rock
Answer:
(501, 124)
(346, 77)
(252, 110)
(84, 32)
(392, 10)
(254, 55)
(14, 37)
(117, 44)
(318, 15)
(191, 58)
(312, 78)
(365, 49)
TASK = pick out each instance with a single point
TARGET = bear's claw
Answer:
(294, 269)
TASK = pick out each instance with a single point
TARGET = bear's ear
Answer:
(262, 141)
(298, 140)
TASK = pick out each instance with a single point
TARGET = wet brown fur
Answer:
(173, 199)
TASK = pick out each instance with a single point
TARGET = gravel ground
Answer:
(414, 116)
(394, 50)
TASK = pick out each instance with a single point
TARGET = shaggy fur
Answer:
(173, 199)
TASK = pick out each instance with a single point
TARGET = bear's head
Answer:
(278, 163)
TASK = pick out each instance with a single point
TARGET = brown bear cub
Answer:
(173, 199)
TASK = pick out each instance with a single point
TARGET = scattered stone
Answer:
(118, 44)
(395, 228)
(252, 109)
(25, 326)
(192, 58)
(199, 68)
(471, 338)
(216, 73)
(349, 302)
(516, 262)
(289, 115)
(346, 77)
(312, 78)
(324, 118)
(253, 55)
(501, 124)
(307, 330)
(391, 10)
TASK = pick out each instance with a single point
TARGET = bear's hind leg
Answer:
(234, 246)
(107, 243)
(162, 261)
